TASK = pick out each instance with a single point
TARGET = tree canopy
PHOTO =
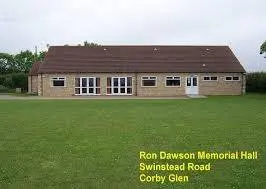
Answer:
(21, 62)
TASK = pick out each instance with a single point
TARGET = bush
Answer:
(14, 80)
(4, 89)
(256, 82)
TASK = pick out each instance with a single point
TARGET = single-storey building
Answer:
(137, 71)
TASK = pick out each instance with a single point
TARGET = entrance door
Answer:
(192, 85)
(121, 85)
(88, 85)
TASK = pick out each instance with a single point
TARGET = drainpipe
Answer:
(41, 85)
(136, 84)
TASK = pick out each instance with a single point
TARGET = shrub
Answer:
(256, 82)
(14, 80)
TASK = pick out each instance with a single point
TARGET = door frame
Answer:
(87, 86)
(119, 85)
(192, 90)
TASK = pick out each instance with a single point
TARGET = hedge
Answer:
(14, 80)
(256, 82)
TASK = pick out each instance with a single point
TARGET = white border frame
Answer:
(126, 87)
(149, 79)
(51, 81)
(180, 78)
(80, 86)
(232, 78)
(210, 78)
(191, 76)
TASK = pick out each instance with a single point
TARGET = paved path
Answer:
(14, 97)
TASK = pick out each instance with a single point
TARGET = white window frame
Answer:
(88, 87)
(57, 79)
(231, 78)
(203, 79)
(173, 78)
(119, 86)
(148, 78)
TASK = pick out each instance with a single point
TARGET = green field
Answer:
(96, 143)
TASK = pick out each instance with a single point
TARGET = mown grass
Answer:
(96, 143)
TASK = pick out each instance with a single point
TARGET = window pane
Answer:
(189, 81)
(84, 82)
(84, 90)
(195, 81)
(235, 78)
(122, 90)
(77, 82)
(214, 78)
(122, 82)
(148, 83)
(145, 77)
(108, 90)
(152, 77)
(115, 80)
(59, 83)
(172, 82)
(97, 82)
(98, 91)
(228, 78)
(91, 82)
(115, 90)
(91, 90)
(77, 90)
(206, 78)
(129, 90)
(129, 81)
(108, 81)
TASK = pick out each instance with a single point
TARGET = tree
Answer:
(86, 44)
(6, 63)
(263, 48)
(20, 62)
(24, 60)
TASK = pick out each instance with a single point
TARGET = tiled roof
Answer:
(132, 59)
(35, 68)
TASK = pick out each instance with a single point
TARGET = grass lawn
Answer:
(96, 143)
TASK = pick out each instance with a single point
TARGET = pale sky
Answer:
(241, 24)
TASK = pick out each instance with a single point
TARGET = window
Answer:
(87, 86)
(119, 85)
(206, 78)
(172, 81)
(236, 78)
(228, 78)
(148, 81)
(58, 81)
(210, 78)
(232, 78)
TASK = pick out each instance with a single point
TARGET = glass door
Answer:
(192, 85)
(121, 85)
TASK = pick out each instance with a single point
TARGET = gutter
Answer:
(136, 84)
(41, 85)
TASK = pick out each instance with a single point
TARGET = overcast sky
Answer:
(241, 24)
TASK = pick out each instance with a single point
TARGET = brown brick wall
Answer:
(69, 89)
(220, 87)
(160, 89)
